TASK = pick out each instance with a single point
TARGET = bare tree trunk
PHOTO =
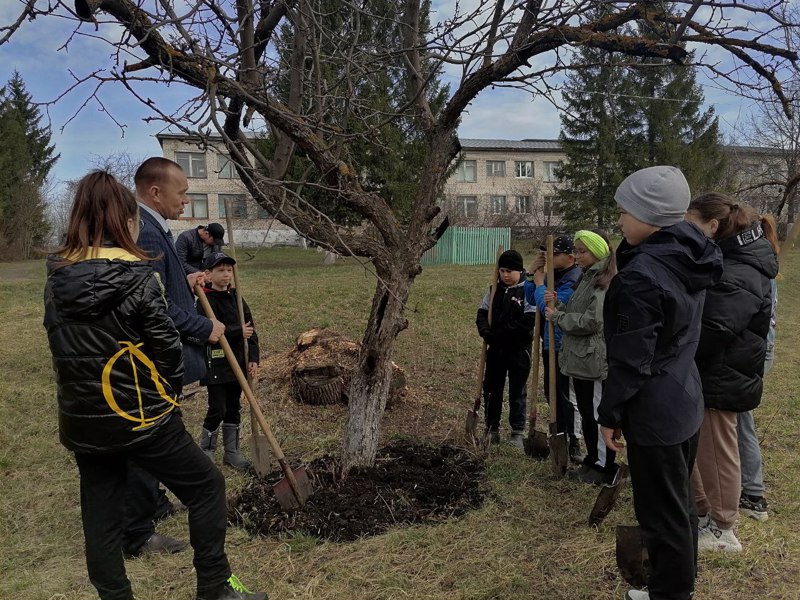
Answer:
(371, 382)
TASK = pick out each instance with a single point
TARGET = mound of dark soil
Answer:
(410, 483)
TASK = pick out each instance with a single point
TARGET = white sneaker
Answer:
(712, 537)
(703, 521)
(636, 595)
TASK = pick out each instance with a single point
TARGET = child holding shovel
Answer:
(652, 318)
(509, 340)
(583, 348)
(224, 391)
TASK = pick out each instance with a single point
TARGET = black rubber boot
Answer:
(230, 441)
(208, 442)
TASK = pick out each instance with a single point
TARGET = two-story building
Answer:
(498, 183)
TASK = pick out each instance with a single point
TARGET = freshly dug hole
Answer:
(410, 483)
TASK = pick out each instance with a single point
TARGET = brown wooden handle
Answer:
(534, 380)
(551, 333)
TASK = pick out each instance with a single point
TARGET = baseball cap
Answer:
(217, 231)
(217, 258)
(562, 243)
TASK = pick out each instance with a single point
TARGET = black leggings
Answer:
(223, 405)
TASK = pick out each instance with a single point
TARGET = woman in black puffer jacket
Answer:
(730, 357)
(118, 364)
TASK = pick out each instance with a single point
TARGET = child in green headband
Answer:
(583, 353)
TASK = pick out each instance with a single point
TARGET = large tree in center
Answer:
(225, 51)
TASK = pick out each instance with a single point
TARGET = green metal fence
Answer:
(468, 246)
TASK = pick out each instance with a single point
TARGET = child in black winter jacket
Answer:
(652, 317)
(224, 391)
(509, 339)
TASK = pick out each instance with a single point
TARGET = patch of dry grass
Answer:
(529, 540)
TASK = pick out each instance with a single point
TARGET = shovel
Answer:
(559, 454)
(262, 457)
(471, 423)
(292, 491)
(632, 559)
(607, 496)
(536, 442)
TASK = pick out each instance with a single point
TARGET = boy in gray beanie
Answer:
(652, 316)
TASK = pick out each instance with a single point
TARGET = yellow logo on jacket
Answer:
(134, 354)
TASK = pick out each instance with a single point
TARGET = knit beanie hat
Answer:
(656, 195)
(510, 259)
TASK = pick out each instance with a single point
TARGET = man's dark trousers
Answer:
(516, 364)
(665, 508)
(172, 457)
(145, 503)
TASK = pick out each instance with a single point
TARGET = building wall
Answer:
(252, 227)
(539, 189)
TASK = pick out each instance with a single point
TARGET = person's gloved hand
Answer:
(486, 334)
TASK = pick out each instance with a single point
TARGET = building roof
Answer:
(210, 137)
(528, 144)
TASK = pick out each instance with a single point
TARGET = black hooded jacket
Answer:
(512, 318)
(652, 316)
(736, 317)
(116, 353)
(225, 307)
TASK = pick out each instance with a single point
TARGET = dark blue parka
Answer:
(736, 318)
(652, 317)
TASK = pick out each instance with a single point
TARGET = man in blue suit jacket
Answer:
(161, 187)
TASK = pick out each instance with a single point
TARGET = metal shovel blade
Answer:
(632, 559)
(559, 452)
(536, 445)
(290, 499)
(607, 497)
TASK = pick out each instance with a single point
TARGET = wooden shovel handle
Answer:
(248, 393)
(482, 362)
(551, 332)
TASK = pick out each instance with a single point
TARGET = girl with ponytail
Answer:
(730, 357)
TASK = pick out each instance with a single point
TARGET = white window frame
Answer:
(497, 205)
(467, 206)
(550, 167)
(524, 205)
(190, 210)
(495, 168)
(193, 164)
(550, 203)
(462, 171)
(523, 169)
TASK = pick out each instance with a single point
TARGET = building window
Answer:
(197, 207)
(192, 163)
(226, 168)
(551, 170)
(552, 207)
(495, 168)
(524, 205)
(523, 169)
(238, 205)
(497, 205)
(467, 171)
(467, 206)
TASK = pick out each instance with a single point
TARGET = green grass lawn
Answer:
(530, 539)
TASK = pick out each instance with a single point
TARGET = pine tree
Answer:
(26, 158)
(598, 136)
(391, 168)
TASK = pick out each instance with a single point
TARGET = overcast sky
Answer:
(37, 51)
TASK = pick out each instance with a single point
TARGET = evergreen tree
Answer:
(26, 158)
(598, 136)
(392, 167)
